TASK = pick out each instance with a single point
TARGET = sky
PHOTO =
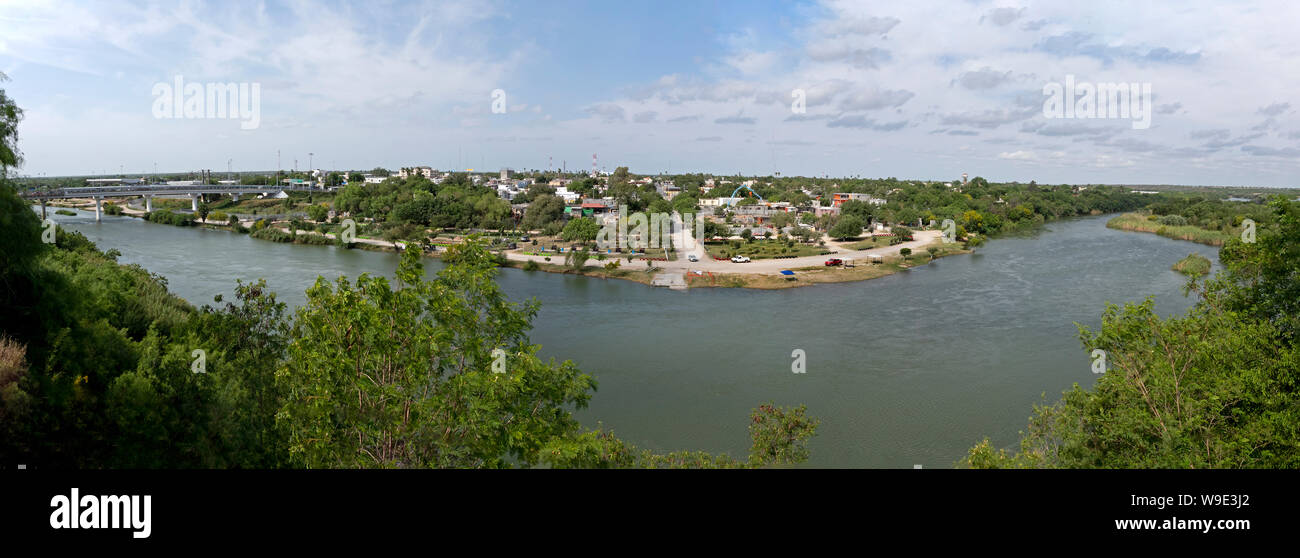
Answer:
(914, 90)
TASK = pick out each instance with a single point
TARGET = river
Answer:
(909, 369)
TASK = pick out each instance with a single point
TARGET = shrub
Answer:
(531, 265)
(1172, 220)
(168, 218)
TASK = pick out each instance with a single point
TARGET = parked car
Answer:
(692, 258)
(834, 261)
(740, 259)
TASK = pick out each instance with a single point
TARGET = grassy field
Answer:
(1139, 223)
(763, 249)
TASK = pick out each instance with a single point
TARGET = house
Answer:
(426, 172)
(718, 202)
(508, 189)
(667, 189)
(829, 210)
(569, 197)
(371, 179)
(838, 199)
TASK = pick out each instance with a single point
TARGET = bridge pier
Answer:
(194, 202)
(99, 207)
(43, 209)
(148, 204)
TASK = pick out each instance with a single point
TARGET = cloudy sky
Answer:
(917, 89)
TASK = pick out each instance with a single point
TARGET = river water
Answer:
(909, 369)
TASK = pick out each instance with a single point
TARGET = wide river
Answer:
(914, 368)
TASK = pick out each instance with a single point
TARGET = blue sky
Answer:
(924, 90)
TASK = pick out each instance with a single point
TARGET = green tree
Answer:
(318, 213)
(846, 227)
(10, 114)
(577, 259)
(581, 229)
(544, 210)
(373, 379)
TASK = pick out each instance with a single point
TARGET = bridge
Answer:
(148, 191)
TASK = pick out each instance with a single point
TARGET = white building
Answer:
(569, 197)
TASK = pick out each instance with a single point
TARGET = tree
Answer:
(973, 221)
(375, 380)
(544, 210)
(847, 227)
(318, 212)
(713, 229)
(747, 235)
(204, 210)
(10, 114)
(577, 259)
(581, 229)
(782, 220)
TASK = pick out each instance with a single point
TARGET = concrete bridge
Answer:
(148, 191)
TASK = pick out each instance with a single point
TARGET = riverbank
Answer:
(759, 274)
(765, 274)
(1136, 222)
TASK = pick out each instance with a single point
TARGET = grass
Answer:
(1194, 265)
(64, 212)
(1139, 223)
(764, 249)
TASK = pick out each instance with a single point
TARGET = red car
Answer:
(834, 261)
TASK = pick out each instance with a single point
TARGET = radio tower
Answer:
(593, 165)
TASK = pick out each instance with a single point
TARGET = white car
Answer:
(740, 259)
(692, 258)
